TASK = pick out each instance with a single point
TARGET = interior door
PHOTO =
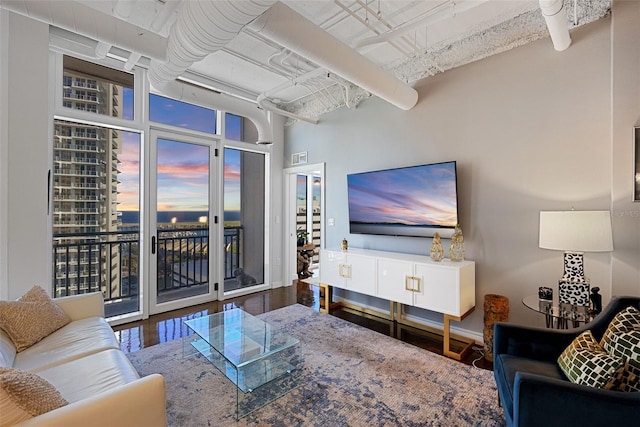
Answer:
(183, 218)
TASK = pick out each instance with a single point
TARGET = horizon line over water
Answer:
(133, 217)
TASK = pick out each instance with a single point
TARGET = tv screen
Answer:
(411, 201)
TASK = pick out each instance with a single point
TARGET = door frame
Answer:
(150, 190)
(290, 227)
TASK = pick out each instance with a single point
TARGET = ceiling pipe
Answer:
(555, 16)
(268, 105)
(124, 8)
(207, 98)
(77, 18)
(437, 14)
(296, 33)
(133, 59)
(102, 49)
(203, 27)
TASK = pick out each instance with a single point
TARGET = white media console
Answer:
(445, 287)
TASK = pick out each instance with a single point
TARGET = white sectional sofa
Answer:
(83, 361)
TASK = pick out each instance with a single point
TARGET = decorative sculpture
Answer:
(437, 252)
(456, 250)
(596, 301)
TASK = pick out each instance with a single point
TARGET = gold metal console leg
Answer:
(446, 350)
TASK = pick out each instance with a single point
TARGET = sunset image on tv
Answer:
(403, 201)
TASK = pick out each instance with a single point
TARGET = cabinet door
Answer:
(363, 274)
(331, 263)
(392, 275)
(439, 288)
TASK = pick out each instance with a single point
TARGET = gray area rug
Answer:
(351, 376)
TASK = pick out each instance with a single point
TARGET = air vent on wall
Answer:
(299, 158)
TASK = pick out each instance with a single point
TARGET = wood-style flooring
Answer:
(169, 326)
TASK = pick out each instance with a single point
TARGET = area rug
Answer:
(352, 376)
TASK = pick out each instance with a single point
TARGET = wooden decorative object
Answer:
(496, 309)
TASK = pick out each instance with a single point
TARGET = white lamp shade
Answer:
(576, 231)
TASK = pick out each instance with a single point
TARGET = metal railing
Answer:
(108, 262)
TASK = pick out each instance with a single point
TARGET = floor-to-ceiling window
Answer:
(244, 210)
(137, 199)
(95, 178)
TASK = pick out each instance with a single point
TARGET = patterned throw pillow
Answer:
(24, 395)
(622, 339)
(585, 362)
(30, 319)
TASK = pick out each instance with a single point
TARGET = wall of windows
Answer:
(96, 178)
(96, 210)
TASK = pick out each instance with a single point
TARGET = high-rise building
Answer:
(85, 190)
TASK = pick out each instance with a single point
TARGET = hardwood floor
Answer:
(169, 326)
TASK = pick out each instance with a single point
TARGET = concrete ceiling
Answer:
(409, 40)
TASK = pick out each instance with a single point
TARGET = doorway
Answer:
(183, 221)
(305, 221)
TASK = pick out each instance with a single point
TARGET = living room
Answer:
(512, 122)
(531, 130)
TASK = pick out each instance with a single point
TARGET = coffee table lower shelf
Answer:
(257, 382)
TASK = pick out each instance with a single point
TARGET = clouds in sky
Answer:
(183, 176)
(421, 195)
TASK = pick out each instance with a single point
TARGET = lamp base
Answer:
(574, 293)
(573, 288)
(573, 266)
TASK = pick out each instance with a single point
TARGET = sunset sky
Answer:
(411, 196)
(183, 168)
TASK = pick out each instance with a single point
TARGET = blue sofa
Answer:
(533, 390)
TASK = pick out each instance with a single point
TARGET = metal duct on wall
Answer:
(293, 31)
(208, 98)
(555, 16)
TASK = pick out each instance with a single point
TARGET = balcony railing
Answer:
(113, 266)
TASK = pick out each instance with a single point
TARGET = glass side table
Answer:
(558, 315)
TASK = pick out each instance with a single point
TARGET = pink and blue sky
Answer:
(183, 168)
(421, 195)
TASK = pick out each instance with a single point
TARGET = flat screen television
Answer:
(413, 201)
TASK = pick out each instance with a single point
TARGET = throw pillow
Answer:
(24, 395)
(30, 319)
(585, 362)
(622, 339)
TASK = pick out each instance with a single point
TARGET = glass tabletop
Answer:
(239, 337)
(572, 312)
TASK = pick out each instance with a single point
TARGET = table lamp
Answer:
(575, 232)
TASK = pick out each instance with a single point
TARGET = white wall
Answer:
(24, 157)
(531, 129)
(625, 112)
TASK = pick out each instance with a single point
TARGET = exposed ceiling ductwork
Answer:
(208, 98)
(203, 27)
(80, 19)
(304, 59)
(296, 33)
(555, 16)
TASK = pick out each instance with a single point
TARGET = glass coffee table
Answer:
(264, 364)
